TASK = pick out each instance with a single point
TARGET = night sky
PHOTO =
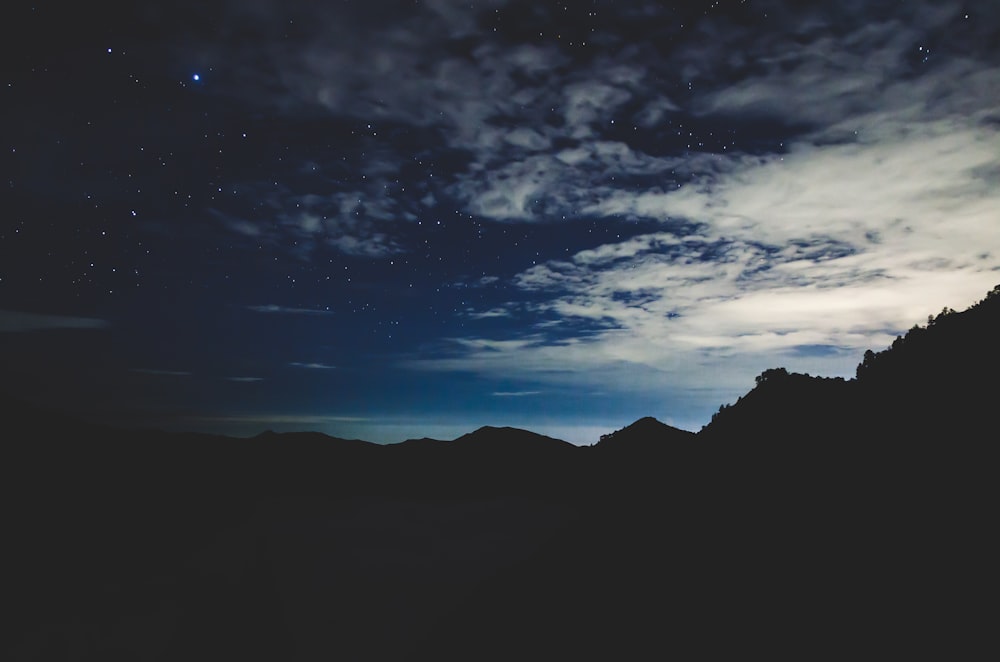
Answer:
(395, 219)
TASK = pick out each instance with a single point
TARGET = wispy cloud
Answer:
(245, 380)
(312, 366)
(515, 394)
(12, 321)
(322, 214)
(491, 313)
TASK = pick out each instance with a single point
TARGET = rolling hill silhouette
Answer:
(510, 440)
(811, 517)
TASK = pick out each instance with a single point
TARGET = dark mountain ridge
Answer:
(509, 439)
(934, 383)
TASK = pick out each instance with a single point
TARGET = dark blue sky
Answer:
(395, 219)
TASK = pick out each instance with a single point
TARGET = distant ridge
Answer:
(510, 439)
(308, 437)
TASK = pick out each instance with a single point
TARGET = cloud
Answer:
(853, 187)
(491, 313)
(240, 226)
(491, 109)
(877, 207)
(488, 101)
(314, 212)
(654, 111)
(528, 139)
(820, 69)
(547, 187)
(929, 193)
(840, 246)
(12, 321)
(590, 102)
(515, 394)
(355, 222)
(312, 366)
(245, 380)
(519, 190)
(376, 245)
(271, 308)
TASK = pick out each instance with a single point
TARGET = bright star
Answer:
(196, 78)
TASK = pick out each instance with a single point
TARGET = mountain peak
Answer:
(646, 432)
(648, 421)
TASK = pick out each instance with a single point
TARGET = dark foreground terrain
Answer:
(814, 517)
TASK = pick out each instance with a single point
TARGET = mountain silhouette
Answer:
(644, 434)
(933, 382)
(500, 460)
(510, 440)
(812, 516)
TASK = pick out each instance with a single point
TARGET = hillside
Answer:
(937, 379)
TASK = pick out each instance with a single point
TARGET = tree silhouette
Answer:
(771, 374)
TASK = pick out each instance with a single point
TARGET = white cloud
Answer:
(514, 191)
(932, 186)
(559, 186)
(840, 245)
(491, 313)
(574, 156)
(310, 223)
(527, 139)
(837, 244)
